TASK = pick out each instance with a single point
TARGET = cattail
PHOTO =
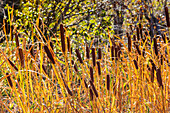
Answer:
(116, 51)
(91, 74)
(114, 88)
(134, 38)
(119, 50)
(51, 45)
(136, 64)
(21, 56)
(163, 37)
(49, 54)
(137, 48)
(9, 80)
(129, 42)
(141, 34)
(75, 68)
(12, 64)
(16, 39)
(72, 62)
(87, 52)
(99, 54)
(98, 64)
(167, 16)
(85, 84)
(143, 52)
(108, 82)
(161, 59)
(94, 89)
(62, 37)
(159, 78)
(68, 89)
(91, 95)
(153, 65)
(68, 43)
(93, 56)
(79, 56)
(112, 52)
(148, 67)
(138, 33)
(155, 46)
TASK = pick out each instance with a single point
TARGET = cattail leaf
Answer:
(49, 54)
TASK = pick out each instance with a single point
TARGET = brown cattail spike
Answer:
(16, 39)
(68, 43)
(9, 80)
(49, 54)
(99, 70)
(112, 52)
(167, 16)
(100, 54)
(93, 56)
(91, 95)
(12, 64)
(68, 90)
(79, 56)
(159, 78)
(94, 89)
(85, 84)
(91, 74)
(108, 82)
(129, 42)
(136, 64)
(62, 37)
(87, 52)
(138, 33)
(155, 46)
(21, 56)
(137, 48)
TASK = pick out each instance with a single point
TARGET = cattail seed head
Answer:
(79, 56)
(136, 64)
(49, 54)
(112, 52)
(100, 54)
(68, 89)
(93, 56)
(138, 33)
(9, 80)
(99, 70)
(108, 82)
(21, 56)
(87, 52)
(129, 42)
(62, 37)
(91, 95)
(159, 78)
(13, 65)
(94, 89)
(137, 48)
(155, 46)
(85, 84)
(167, 16)
(91, 74)
(75, 68)
(17, 40)
(68, 43)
